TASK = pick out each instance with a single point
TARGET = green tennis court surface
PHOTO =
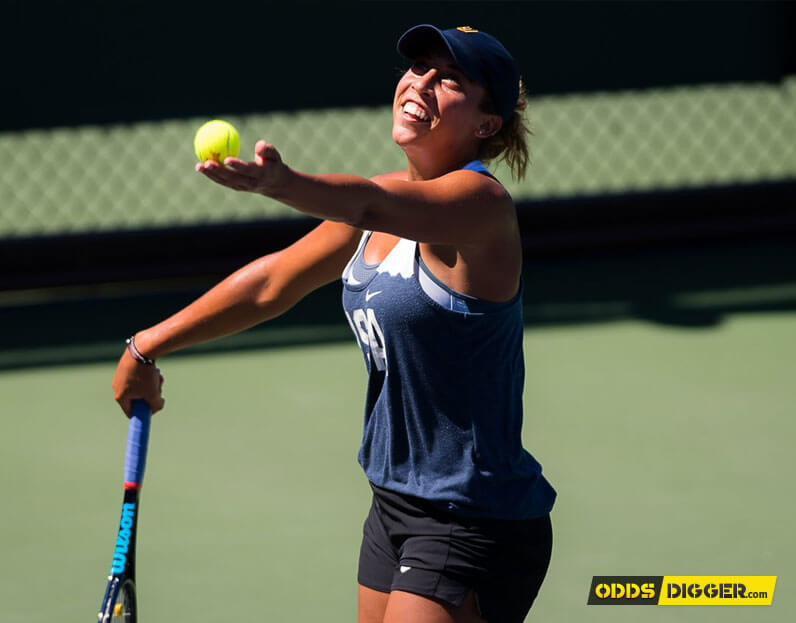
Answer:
(671, 449)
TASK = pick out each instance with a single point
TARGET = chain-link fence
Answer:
(141, 175)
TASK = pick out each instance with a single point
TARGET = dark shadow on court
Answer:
(694, 286)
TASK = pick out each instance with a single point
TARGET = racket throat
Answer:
(123, 561)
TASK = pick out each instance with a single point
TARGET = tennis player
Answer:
(430, 257)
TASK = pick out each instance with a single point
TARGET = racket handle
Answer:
(137, 439)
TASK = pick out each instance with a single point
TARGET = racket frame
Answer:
(122, 572)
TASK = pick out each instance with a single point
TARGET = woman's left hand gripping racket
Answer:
(119, 601)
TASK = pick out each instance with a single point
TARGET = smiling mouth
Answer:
(413, 112)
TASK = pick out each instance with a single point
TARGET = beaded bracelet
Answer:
(136, 354)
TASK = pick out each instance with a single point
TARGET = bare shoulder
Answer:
(392, 175)
(461, 207)
(483, 185)
(489, 198)
(486, 260)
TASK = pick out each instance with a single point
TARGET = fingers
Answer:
(156, 404)
(256, 176)
(234, 174)
(155, 399)
(125, 404)
(245, 169)
(134, 380)
(259, 153)
(262, 176)
(265, 151)
(221, 174)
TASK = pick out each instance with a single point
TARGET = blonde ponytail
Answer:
(510, 144)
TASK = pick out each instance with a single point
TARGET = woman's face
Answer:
(437, 107)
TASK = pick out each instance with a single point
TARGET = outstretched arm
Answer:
(460, 208)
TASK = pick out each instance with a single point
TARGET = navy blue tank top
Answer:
(443, 410)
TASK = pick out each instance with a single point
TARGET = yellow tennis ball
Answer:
(216, 140)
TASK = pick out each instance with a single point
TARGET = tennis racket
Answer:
(118, 604)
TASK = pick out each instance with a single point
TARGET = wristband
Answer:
(136, 354)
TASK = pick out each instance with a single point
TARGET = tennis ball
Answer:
(216, 140)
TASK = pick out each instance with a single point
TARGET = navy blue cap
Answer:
(480, 56)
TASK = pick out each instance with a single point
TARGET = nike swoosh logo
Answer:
(404, 569)
(370, 295)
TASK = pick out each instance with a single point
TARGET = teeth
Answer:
(414, 109)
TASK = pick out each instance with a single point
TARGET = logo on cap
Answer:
(467, 29)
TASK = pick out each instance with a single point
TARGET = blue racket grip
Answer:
(137, 440)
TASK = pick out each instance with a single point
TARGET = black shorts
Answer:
(411, 545)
